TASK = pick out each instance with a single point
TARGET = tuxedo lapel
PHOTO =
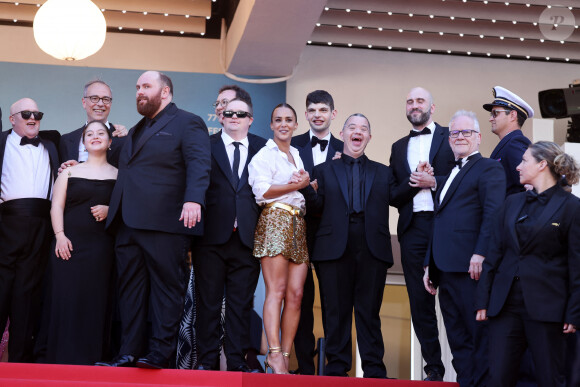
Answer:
(436, 141)
(340, 172)
(218, 151)
(550, 209)
(306, 155)
(457, 180)
(369, 178)
(3, 138)
(511, 220)
(150, 131)
(403, 157)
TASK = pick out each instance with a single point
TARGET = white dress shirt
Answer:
(230, 148)
(271, 166)
(319, 156)
(25, 170)
(418, 150)
(83, 154)
(454, 173)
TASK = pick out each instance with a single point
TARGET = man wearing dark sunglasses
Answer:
(97, 101)
(223, 255)
(507, 114)
(28, 165)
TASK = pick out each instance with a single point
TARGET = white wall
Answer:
(376, 84)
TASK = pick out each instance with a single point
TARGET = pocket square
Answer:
(163, 134)
(556, 224)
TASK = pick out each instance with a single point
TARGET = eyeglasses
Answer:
(495, 113)
(464, 132)
(223, 103)
(27, 113)
(230, 114)
(96, 99)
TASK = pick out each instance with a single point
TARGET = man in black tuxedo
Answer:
(156, 206)
(97, 101)
(315, 147)
(352, 249)
(28, 165)
(426, 143)
(465, 206)
(508, 112)
(223, 257)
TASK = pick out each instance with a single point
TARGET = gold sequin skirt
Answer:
(280, 232)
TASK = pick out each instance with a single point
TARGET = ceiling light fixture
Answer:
(69, 29)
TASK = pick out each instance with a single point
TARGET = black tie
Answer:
(533, 195)
(356, 196)
(323, 143)
(32, 141)
(415, 133)
(459, 163)
(236, 164)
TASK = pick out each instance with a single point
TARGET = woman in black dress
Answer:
(530, 284)
(83, 258)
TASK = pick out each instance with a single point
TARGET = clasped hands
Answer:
(423, 177)
(302, 179)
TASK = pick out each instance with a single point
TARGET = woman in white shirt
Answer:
(276, 173)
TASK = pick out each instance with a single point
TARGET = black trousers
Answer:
(512, 331)
(24, 250)
(414, 243)
(233, 268)
(468, 339)
(355, 280)
(151, 277)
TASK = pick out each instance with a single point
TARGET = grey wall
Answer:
(58, 91)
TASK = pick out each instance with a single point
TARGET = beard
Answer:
(420, 120)
(151, 106)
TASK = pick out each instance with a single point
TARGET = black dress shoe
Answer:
(433, 376)
(119, 361)
(153, 361)
(245, 368)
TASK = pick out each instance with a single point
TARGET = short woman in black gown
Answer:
(83, 256)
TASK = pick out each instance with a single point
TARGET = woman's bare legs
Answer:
(292, 300)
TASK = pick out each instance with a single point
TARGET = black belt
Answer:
(26, 207)
(423, 213)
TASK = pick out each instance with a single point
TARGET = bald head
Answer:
(24, 127)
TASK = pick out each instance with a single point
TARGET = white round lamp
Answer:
(69, 29)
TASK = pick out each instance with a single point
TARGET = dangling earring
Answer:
(109, 148)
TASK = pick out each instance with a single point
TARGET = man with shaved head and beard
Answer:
(156, 207)
(425, 146)
(28, 167)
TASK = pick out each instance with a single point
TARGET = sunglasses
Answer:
(230, 114)
(27, 113)
(495, 113)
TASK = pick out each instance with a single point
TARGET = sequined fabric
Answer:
(278, 232)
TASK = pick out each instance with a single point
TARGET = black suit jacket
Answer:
(462, 223)
(548, 262)
(331, 202)
(169, 165)
(224, 202)
(47, 139)
(509, 152)
(302, 143)
(441, 159)
(69, 146)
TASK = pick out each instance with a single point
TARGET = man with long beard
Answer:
(155, 207)
(425, 145)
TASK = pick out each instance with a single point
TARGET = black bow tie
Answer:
(459, 163)
(415, 133)
(32, 141)
(533, 195)
(315, 140)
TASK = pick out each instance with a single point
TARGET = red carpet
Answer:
(21, 375)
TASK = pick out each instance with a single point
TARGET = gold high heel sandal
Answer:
(267, 364)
